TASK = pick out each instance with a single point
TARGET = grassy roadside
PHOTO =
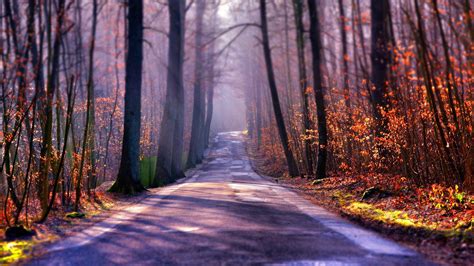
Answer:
(436, 221)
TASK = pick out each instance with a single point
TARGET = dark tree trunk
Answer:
(177, 170)
(195, 156)
(316, 48)
(292, 167)
(379, 58)
(128, 179)
(170, 146)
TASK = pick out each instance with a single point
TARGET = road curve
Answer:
(226, 214)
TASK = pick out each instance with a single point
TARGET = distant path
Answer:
(226, 214)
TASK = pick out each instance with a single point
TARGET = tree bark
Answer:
(303, 82)
(316, 48)
(42, 181)
(195, 156)
(292, 167)
(128, 179)
(170, 146)
(379, 58)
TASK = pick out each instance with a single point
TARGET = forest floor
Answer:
(436, 221)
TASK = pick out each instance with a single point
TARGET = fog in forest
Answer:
(229, 98)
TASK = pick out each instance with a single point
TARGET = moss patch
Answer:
(11, 252)
(75, 215)
(386, 216)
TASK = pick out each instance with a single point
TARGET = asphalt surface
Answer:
(226, 214)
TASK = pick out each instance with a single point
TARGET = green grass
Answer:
(147, 170)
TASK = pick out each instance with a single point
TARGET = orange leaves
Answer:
(347, 58)
(448, 198)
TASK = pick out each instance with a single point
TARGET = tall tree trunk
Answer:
(316, 49)
(178, 140)
(194, 156)
(379, 59)
(292, 167)
(303, 82)
(170, 146)
(128, 179)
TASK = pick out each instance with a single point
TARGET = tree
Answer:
(170, 149)
(88, 129)
(303, 81)
(379, 58)
(345, 73)
(195, 152)
(292, 167)
(316, 48)
(52, 84)
(128, 178)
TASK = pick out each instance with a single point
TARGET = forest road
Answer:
(225, 213)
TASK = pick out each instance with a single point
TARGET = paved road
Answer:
(226, 214)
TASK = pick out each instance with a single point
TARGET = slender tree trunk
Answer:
(345, 73)
(117, 89)
(60, 167)
(292, 166)
(209, 94)
(258, 115)
(128, 179)
(303, 82)
(316, 49)
(89, 104)
(289, 81)
(42, 181)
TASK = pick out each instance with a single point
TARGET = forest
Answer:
(103, 98)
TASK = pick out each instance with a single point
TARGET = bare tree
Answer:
(292, 167)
